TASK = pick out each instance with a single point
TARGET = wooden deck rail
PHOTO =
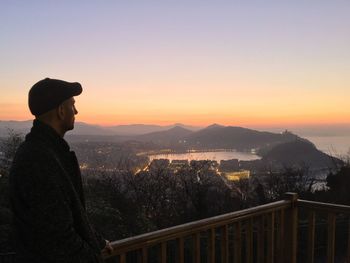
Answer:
(264, 234)
(331, 212)
(258, 234)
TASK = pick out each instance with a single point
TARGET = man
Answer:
(50, 220)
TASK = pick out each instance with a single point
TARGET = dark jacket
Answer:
(47, 198)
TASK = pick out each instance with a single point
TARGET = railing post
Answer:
(291, 229)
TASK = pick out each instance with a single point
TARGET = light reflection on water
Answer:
(216, 156)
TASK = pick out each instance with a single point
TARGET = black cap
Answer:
(48, 94)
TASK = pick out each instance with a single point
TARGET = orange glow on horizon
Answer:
(242, 113)
(201, 122)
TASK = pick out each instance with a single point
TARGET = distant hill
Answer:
(285, 148)
(82, 128)
(139, 129)
(96, 138)
(301, 152)
(165, 138)
(17, 126)
(168, 137)
(216, 136)
(310, 130)
(213, 136)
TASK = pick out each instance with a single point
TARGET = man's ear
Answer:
(60, 112)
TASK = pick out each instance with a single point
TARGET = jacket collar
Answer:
(47, 135)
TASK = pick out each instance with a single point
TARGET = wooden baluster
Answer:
(261, 240)
(237, 243)
(278, 236)
(282, 236)
(224, 244)
(197, 248)
(211, 246)
(331, 238)
(144, 255)
(123, 258)
(163, 252)
(311, 238)
(249, 241)
(180, 247)
(271, 238)
(291, 229)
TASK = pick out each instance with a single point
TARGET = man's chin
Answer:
(71, 127)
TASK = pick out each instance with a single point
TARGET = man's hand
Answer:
(108, 247)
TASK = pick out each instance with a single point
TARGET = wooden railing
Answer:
(286, 231)
(328, 217)
(266, 233)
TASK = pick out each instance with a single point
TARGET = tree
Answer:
(339, 185)
(272, 186)
(8, 148)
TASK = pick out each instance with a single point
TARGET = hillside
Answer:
(216, 136)
(168, 137)
(299, 152)
(95, 131)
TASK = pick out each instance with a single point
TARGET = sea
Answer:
(337, 146)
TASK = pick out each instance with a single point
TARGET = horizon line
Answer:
(275, 125)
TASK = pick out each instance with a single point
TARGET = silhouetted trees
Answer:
(8, 147)
(272, 186)
(157, 198)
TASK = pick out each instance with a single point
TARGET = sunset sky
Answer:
(195, 62)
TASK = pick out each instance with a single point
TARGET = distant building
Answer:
(233, 176)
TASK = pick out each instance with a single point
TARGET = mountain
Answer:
(285, 148)
(311, 130)
(217, 136)
(171, 136)
(138, 129)
(17, 126)
(299, 152)
(82, 128)
(135, 129)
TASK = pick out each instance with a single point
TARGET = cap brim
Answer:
(76, 89)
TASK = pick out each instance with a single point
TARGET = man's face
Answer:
(69, 114)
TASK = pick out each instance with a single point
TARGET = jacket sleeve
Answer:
(45, 209)
(101, 241)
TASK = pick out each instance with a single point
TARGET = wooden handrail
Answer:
(149, 239)
(328, 207)
(269, 231)
(332, 210)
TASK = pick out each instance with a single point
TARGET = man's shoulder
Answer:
(34, 160)
(32, 149)
(31, 152)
